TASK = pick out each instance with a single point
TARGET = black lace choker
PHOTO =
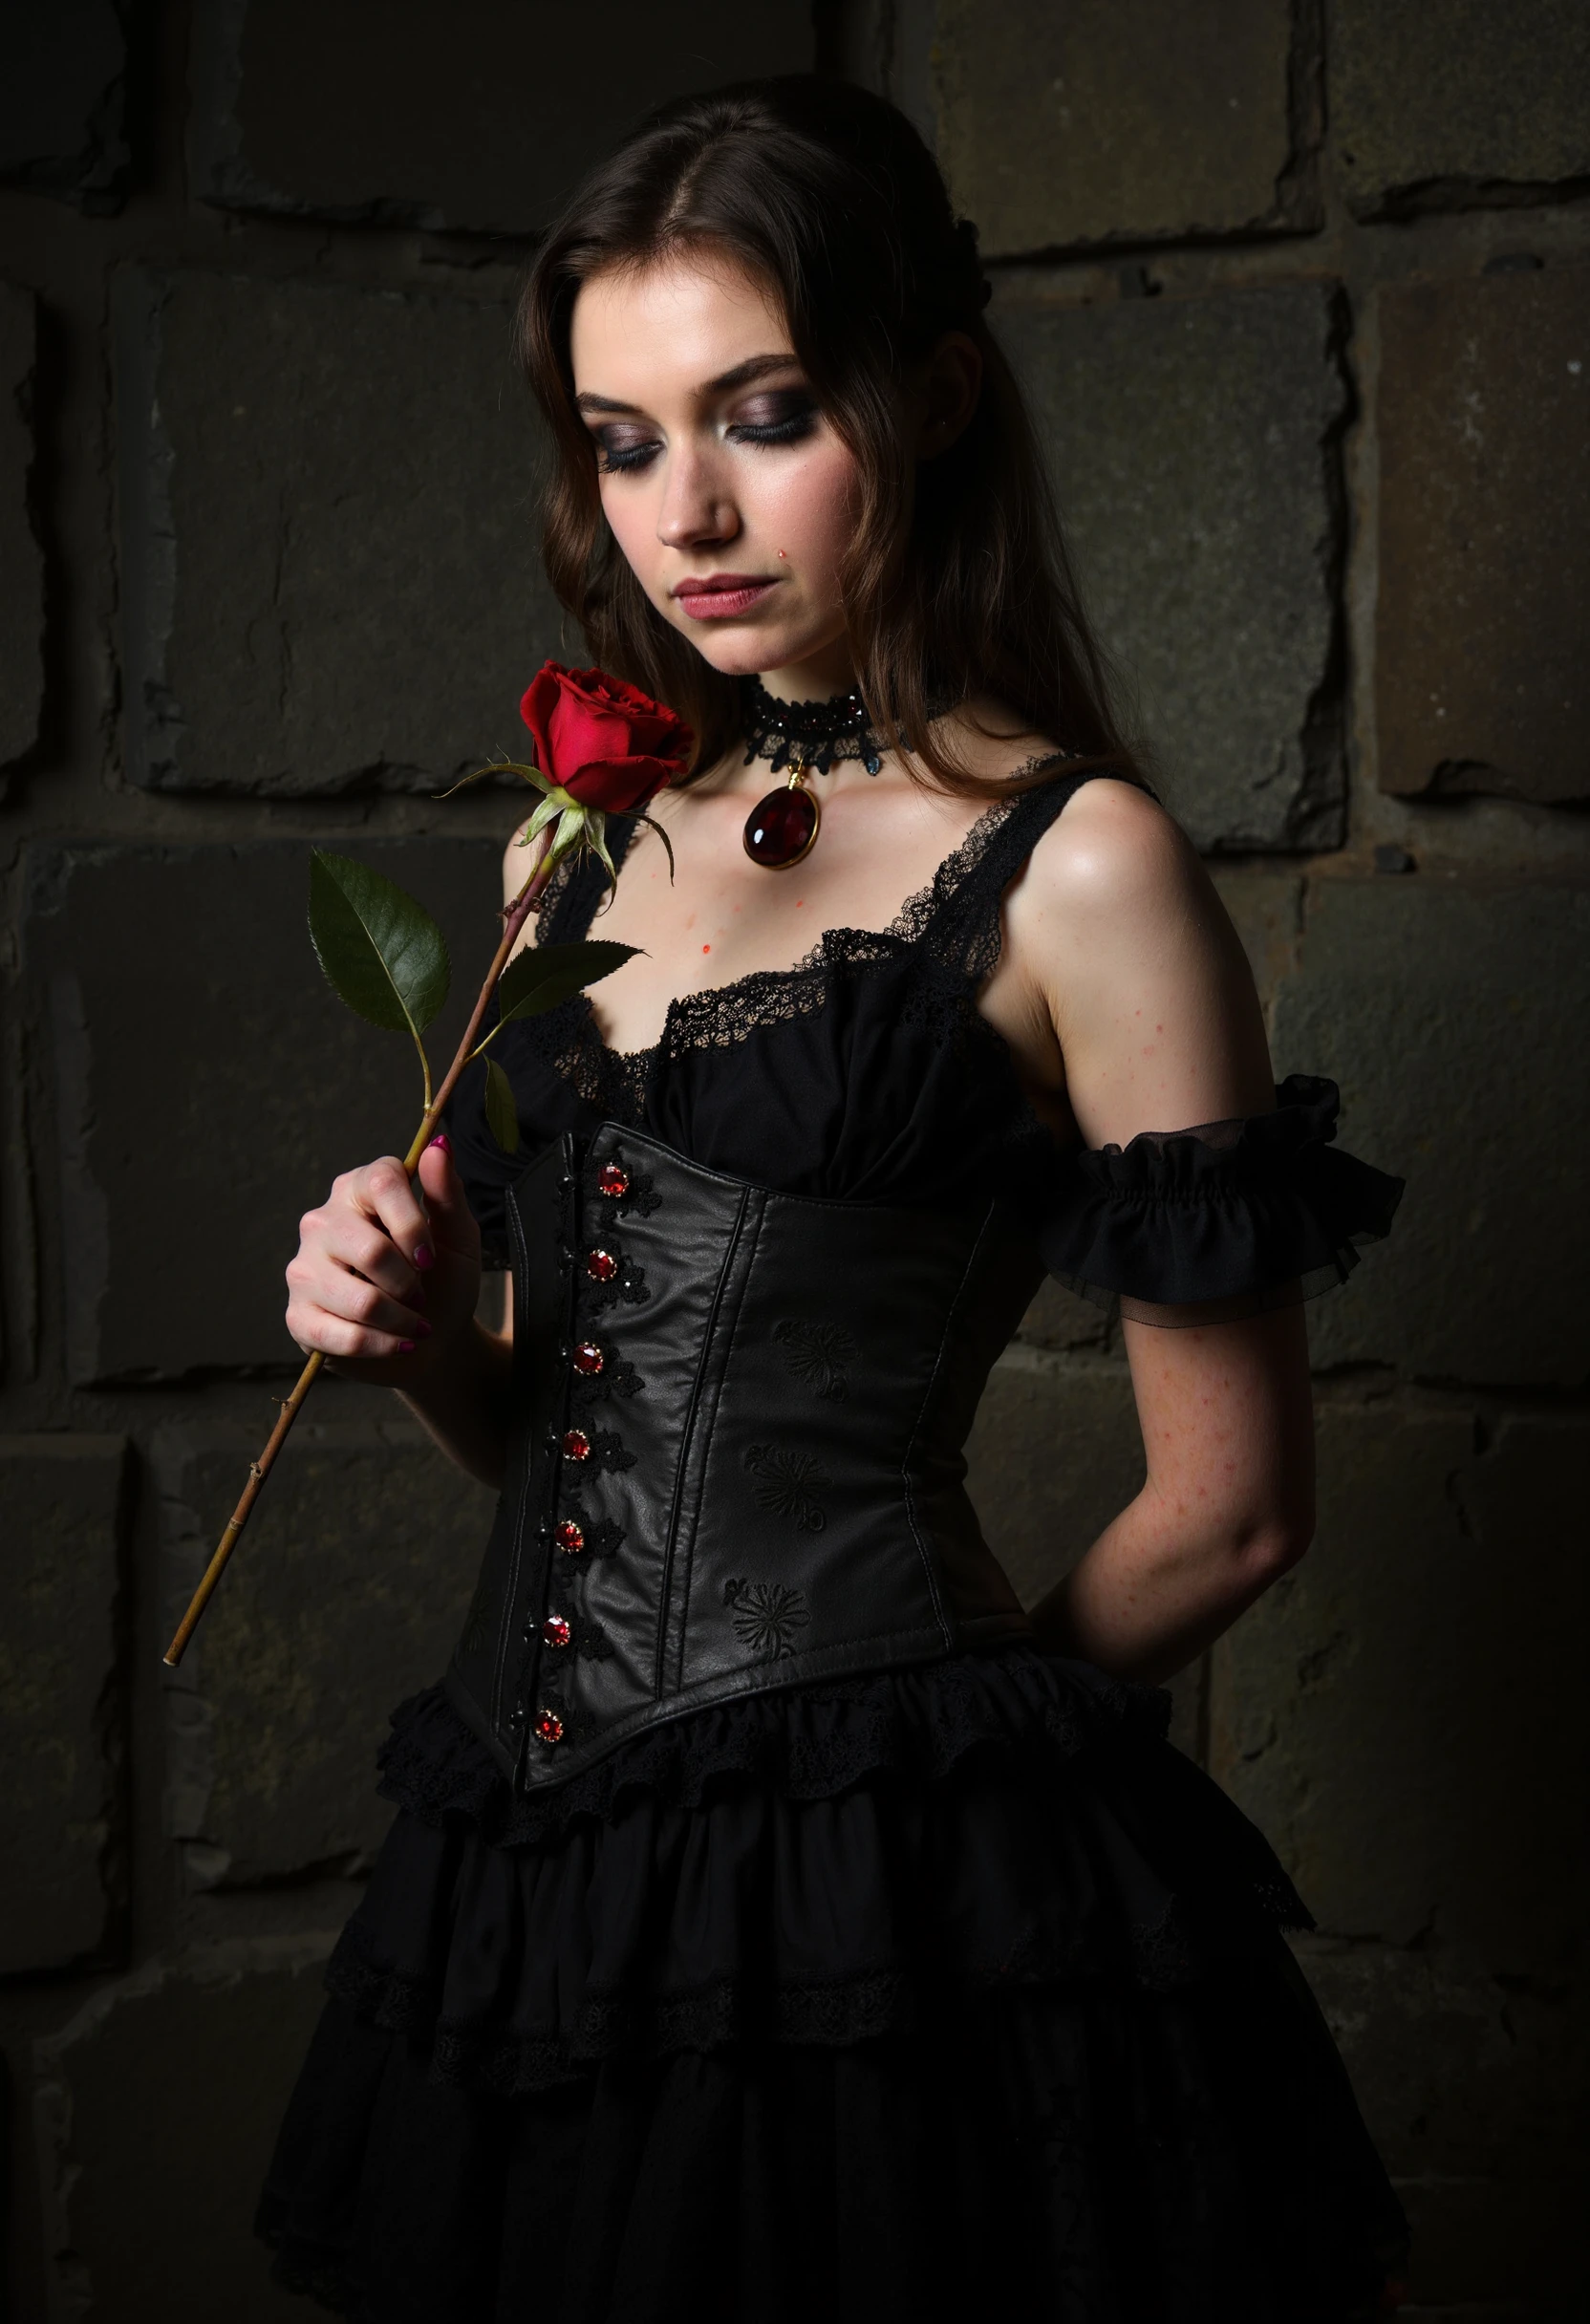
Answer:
(808, 734)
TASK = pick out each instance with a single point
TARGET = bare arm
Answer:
(1127, 952)
(1228, 1504)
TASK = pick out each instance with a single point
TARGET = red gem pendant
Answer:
(555, 1630)
(548, 1726)
(783, 827)
(576, 1445)
(613, 1179)
(588, 1359)
(601, 1266)
(569, 1537)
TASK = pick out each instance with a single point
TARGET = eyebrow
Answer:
(754, 367)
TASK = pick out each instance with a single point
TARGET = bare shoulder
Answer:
(1151, 1002)
(1113, 855)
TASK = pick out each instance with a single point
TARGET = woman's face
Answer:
(727, 490)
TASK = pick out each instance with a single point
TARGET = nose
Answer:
(698, 509)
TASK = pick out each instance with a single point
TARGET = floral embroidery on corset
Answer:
(638, 1191)
(617, 1377)
(820, 1355)
(599, 1538)
(608, 1451)
(788, 1484)
(628, 1283)
(767, 1616)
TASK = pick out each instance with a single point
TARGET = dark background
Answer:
(1300, 294)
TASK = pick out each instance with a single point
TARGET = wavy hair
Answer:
(955, 582)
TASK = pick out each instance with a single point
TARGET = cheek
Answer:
(633, 521)
(806, 506)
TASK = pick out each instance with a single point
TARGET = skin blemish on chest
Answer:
(706, 948)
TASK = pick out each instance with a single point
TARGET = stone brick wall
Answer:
(1301, 292)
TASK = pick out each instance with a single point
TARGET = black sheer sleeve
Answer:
(1206, 1225)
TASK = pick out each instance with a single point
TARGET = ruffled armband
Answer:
(1218, 1222)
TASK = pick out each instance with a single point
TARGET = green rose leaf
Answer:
(502, 1114)
(539, 978)
(380, 948)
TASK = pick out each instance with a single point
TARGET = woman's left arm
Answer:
(1123, 945)
(1228, 1504)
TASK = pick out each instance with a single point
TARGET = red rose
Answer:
(604, 742)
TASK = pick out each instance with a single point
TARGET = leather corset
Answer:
(735, 1459)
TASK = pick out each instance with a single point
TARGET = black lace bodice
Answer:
(761, 1078)
(866, 1073)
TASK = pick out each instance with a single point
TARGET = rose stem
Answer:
(513, 920)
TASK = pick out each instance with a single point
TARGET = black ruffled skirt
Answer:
(954, 1993)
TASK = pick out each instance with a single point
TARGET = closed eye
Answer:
(620, 449)
(624, 447)
(799, 424)
(783, 418)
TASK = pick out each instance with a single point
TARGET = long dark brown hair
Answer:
(956, 581)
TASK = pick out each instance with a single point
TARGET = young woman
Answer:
(780, 1922)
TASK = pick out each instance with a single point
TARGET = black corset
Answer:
(736, 1462)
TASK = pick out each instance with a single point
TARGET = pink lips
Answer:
(722, 595)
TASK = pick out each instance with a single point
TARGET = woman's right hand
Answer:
(383, 1284)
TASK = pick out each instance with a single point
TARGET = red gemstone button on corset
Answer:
(601, 1266)
(780, 828)
(555, 1631)
(613, 1179)
(548, 1726)
(569, 1537)
(588, 1359)
(576, 1445)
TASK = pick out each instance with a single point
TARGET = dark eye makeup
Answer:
(617, 450)
(785, 416)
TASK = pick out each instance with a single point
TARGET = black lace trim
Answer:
(813, 1743)
(819, 733)
(831, 2012)
(820, 2012)
(950, 930)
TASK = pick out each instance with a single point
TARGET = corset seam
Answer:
(722, 1329)
(687, 1443)
(878, 1580)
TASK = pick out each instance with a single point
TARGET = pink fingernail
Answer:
(423, 1257)
(443, 1140)
(405, 1347)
